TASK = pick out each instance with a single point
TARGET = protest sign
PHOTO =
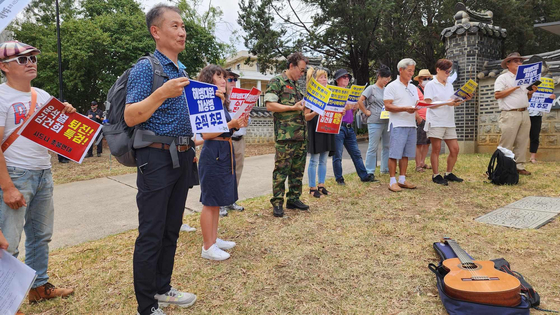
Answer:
(527, 74)
(355, 93)
(16, 279)
(541, 101)
(206, 110)
(428, 105)
(236, 99)
(317, 96)
(339, 97)
(69, 135)
(248, 104)
(9, 9)
(329, 122)
(465, 90)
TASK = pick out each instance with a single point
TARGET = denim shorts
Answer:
(402, 143)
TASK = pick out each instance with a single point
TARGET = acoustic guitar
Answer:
(478, 281)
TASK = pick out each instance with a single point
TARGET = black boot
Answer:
(278, 211)
(297, 205)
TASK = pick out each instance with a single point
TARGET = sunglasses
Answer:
(425, 79)
(22, 60)
(232, 80)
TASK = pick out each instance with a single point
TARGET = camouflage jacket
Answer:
(287, 125)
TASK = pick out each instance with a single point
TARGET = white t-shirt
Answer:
(443, 116)
(14, 106)
(517, 99)
(402, 96)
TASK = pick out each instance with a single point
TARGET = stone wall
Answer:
(261, 130)
(470, 51)
(489, 132)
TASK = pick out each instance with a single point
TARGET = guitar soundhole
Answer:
(469, 266)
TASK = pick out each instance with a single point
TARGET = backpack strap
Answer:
(14, 135)
(492, 164)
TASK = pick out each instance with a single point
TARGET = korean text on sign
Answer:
(465, 90)
(339, 97)
(248, 104)
(527, 74)
(236, 99)
(317, 96)
(330, 122)
(541, 101)
(68, 135)
(355, 93)
(206, 110)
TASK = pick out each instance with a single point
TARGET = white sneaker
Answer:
(214, 253)
(223, 212)
(236, 207)
(224, 244)
(155, 311)
(174, 297)
(187, 228)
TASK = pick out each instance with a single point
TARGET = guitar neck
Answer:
(461, 254)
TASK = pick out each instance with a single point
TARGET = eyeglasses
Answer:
(516, 61)
(232, 80)
(409, 91)
(22, 60)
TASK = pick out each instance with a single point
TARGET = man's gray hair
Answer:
(403, 64)
(154, 16)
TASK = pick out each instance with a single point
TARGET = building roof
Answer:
(553, 27)
(260, 112)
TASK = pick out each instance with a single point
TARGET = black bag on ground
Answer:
(120, 137)
(502, 170)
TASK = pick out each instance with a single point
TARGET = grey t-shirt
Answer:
(374, 103)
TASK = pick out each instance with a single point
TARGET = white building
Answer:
(249, 74)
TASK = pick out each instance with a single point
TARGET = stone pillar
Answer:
(471, 42)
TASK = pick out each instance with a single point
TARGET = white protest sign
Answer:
(9, 9)
(248, 104)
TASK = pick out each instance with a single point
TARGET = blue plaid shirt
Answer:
(172, 117)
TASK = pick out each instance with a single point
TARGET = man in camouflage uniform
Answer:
(284, 98)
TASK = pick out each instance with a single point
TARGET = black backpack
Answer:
(502, 170)
(120, 137)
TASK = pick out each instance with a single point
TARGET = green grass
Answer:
(361, 250)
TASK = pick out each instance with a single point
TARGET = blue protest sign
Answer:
(206, 110)
(527, 74)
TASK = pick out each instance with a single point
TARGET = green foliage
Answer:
(363, 34)
(101, 39)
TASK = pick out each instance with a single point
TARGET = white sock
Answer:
(401, 179)
(392, 181)
(447, 173)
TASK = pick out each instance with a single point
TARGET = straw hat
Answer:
(511, 56)
(423, 73)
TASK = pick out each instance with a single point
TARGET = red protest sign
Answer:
(237, 98)
(330, 122)
(248, 104)
(68, 135)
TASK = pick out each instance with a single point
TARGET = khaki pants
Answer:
(239, 151)
(515, 128)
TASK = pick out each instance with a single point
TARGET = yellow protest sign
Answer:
(339, 96)
(355, 92)
(466, 89)
(317, 97)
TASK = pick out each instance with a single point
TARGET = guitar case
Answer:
(459, 307)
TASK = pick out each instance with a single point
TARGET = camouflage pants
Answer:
(289, 162)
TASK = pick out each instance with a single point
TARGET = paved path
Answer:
(79, 217)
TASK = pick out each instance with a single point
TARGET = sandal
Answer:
(534, 161)
(419, 168)
(323, 190)
(315, 193)
(426, 166)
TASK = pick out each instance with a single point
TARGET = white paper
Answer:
(16, 279)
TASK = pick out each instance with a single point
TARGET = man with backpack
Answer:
(26, 194)
(513, 101)
(165, 161)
